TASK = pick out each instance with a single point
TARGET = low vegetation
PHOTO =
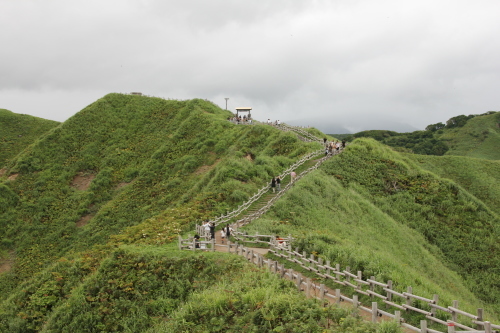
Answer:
(17, 131)
(473, 135)
(90, 211)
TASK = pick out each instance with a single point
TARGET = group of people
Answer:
(276, 122)
(209, 228)
(241, 120)
(276, 181)
(332, 146)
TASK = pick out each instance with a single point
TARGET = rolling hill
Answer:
(17, 131)
(89, 215)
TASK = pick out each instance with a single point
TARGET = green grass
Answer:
(474, 136)
(155, 174)
(158, 166)
(374, 211)
(478, 176)
(18, 131)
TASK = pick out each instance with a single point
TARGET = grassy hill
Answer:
(17, 131)
(473, 136)
(377, 211)
(89, 215)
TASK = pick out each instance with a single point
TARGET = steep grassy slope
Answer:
(478, 176)
(166, 163)
(157, 289)
(372, 209)
(17, 131)
(479, 137)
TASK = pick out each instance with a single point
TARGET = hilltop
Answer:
(17, 131)
(92, 210)
(473, 136)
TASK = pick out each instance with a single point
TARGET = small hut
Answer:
(238, 110)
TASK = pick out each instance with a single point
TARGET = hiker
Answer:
(196, 241)
(222, 235)
(278, 183)
(273, 184)
(292, 176)
(324, 141)
(281, 241)
(212, 230)
(343, 144)
(206, 227)
(228, 230)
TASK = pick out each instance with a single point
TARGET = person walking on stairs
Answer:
(273, 184)
(278, 183)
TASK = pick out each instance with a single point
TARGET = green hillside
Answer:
(90, 214)
(376, 211)
(478, 176)
(473, 136)
(17, 131)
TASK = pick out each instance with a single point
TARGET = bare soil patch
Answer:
(3, 171)
(84, 220)
(6, 264)
(249, 157)
(205, 168)
(13, 176)
(82, 181)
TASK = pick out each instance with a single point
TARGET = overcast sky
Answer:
(342, 66)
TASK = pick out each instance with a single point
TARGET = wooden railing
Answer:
(383, 291)
(224, 218)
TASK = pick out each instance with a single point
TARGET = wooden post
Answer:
(299, 281)
(355, 301)
(360, 277)
(397, 317)
(374, 312)
(283, 270)
(423, 326)
(327, 267)
(180, 242)
(228, 246)
(338, 296)
(480, 318)
(322, 292)
(388, 294)
(372, 286)
(408, 298)
(194, 244)
(451, 326)
(348, 277)
(435, 298)
(487, 327)
(275, 264)
(454, 315)
(337, 271)
(308, 287)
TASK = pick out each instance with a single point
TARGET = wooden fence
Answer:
(383, 291)
(353, 280)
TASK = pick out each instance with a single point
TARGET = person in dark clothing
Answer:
(273, 184)
(197, 241)
(343, 143)
(228, 229)
(212, 230)
(278, 183)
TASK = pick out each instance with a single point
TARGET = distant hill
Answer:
(473, 135)
(17, 131)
